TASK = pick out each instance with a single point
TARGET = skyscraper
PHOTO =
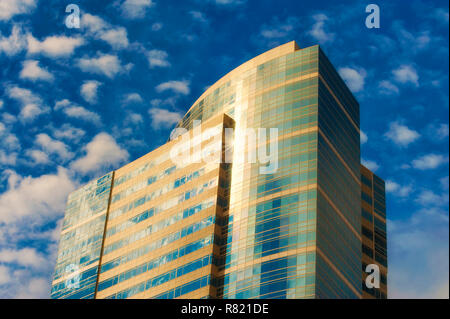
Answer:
(263, 216)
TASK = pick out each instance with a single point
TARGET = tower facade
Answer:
(277, 216)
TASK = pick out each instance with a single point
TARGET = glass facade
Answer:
(373, 228)
(225, 230)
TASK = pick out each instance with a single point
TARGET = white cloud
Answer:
(157, 26)
(406, 74)
(101, 153)
(318, 29)
(442, 131)
(427, 197)
(387, 87)
(42, 196)
(372, 165)
(32, 105)
(132, 98)
(429, 161)
(8, 158)
(68, 132)
(10, 8)
(26, 257)
(76, 111)
(54, 46)
(162, 118)
(364, 137)
(440, 15)
(105, 64)
(276, 32)
(8, 118)
(397, 189)
(175, 86)
(444, 183)
(10, 142)
(32, 71)
(117, 38)
(34, 288)
(353, 78)
(98, 28)
(157, 58)
(89, 91)
(199, 16)
(52, 146)
(134, 118)
(15, 43)
(1, 104)
(38, 157)
(229, 2)
(5, 276)
(401, 134)
(135, 9)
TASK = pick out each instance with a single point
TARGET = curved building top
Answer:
(274, 53)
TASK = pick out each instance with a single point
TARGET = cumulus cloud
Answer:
(353, 78)
(387, 87)
(102, 152)
(401, 134)
(5, 276)
(68, 132)
(428, 197)
(54, 46)
(135, 9)
(9, 141)
(42, 196)
(31, 104)
(429, 161)
(363, 137)
(10, 8)
(32, 71)
(157, 58)
(438, 132)
(54, 147)
(76, 111)
(27, 257)
(98, 28)
(372, 165)
(406, 74)
(175, 86)
(397, 189)
(89, 90)
(105, 64)
(8, 158)
(162, 118)
(318, 31)
(15, 43)
(132, 98)
(38, 157)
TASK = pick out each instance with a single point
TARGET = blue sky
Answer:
(77, 103)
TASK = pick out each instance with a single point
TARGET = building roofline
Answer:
(274, 53)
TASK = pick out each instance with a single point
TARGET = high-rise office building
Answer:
(263, 216)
